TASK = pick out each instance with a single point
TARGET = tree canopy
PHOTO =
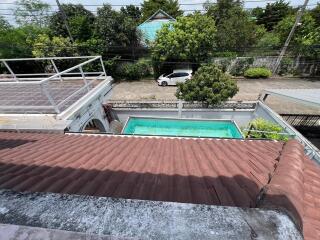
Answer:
(190, 38)
(208, 85)
(131, 11)
(115, 28)
(4, 24)
(235, 30)
(306, 37)
(315, 13)
(149, 7)
(31, 12)
(222, 9)
(44, 46)
(80, 21)
(14, 41)
(272, 14)
(226, 29)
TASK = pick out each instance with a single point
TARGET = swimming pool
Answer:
(181, 127)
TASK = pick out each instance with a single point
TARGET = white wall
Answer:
(242, 118)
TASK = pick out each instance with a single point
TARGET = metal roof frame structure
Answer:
(310, 97)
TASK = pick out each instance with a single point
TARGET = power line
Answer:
(94, 11)
(46, 13)
(137, 5)
(53, 12)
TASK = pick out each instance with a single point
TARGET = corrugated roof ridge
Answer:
(285, 190)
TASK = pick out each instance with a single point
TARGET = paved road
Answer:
(248, 90)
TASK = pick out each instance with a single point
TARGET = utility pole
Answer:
(286, 44)
(64, 16)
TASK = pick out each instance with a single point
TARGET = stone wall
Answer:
(290, 66)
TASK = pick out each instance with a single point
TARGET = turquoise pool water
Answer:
(181, 127)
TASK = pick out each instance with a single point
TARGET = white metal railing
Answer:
(42, 81)
(249, 130)
(312, 151)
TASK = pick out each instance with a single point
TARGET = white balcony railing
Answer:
(47, 92)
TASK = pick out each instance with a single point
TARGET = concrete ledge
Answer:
(142, 219)
(13, 232)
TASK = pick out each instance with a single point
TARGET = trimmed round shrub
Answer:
(209, 85)
(258, 72)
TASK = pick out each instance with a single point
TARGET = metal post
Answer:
(180, 105)
(56, 69)
(52, 102)
(103, 68)
(64, 17)
(84, 78)
(10, 70)
(286, 44)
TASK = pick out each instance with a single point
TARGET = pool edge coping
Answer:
(184, 119)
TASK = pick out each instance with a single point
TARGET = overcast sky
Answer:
(5, 4)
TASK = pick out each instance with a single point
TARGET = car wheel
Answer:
(164, 83)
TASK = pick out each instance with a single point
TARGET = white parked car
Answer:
(178, 76)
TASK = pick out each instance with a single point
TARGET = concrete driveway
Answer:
(249, 89)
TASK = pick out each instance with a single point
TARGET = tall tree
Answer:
(4, 24)
(44, 46)
(132, 12)
(31, 12)
(171, 7)
(190, 38)
(115, 28)
(80, 21)
(222, 9)
(272, 14)
(315, 13)
(14, 41)
(236, 31)
(306, 38)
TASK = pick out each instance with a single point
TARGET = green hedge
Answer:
(270, 130)
(130, 71)
(240, 66)
(258, 72)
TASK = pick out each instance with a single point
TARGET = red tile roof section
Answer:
(295, 187)
(208, 171)
(286, 189)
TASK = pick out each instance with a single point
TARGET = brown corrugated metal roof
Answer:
(207, 171)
